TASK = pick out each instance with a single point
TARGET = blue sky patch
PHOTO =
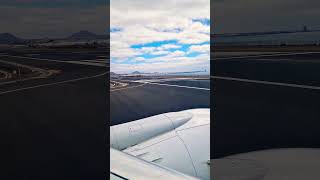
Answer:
(154, 44)
(203, 21)
(115, 29)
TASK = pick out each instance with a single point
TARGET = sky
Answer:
(232, 16)
(159, 36)
(52, 18)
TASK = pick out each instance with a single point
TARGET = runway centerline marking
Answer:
(55, 83)
(179, 86)
(267, 82)
(263, 55)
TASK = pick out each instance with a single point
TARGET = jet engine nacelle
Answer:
(129, 134)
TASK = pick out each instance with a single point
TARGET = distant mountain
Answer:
(86, 35)
(7, 38)
(113, 74)
(136, 72)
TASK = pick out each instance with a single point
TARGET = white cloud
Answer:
(146, 21)
(200, 48)
(170, 46)
(121, 50)
(177, 53)
(140, 59)
(146, 49)
(160, 52)
(178, 64)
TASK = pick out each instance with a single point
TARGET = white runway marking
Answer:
(95, 61)
(88, 52)
(278, 60)
(60, 61)
(127, 88)
(88, 63)
(289, 60)
(171, 79)
(268, 82)
(51, 84)
(173, 85)
(160, 84)
(33, 54)
(33, 58)
(264, 55)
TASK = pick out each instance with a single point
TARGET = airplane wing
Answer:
(179, 141)
(124, 166)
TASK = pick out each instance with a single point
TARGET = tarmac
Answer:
(265, 102)
(54, 127)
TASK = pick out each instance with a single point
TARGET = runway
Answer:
(265, 102)
(140, 100)
(45, 131)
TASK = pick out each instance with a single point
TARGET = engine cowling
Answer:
(129, 134)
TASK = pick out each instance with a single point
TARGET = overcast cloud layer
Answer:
(52, 18)
(264, 15)
(160, 36)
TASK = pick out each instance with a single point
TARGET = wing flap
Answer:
(125, 166)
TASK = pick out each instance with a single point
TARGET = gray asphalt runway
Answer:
(201, 83)
(265, 102)
(144, 100)
(54, 128)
